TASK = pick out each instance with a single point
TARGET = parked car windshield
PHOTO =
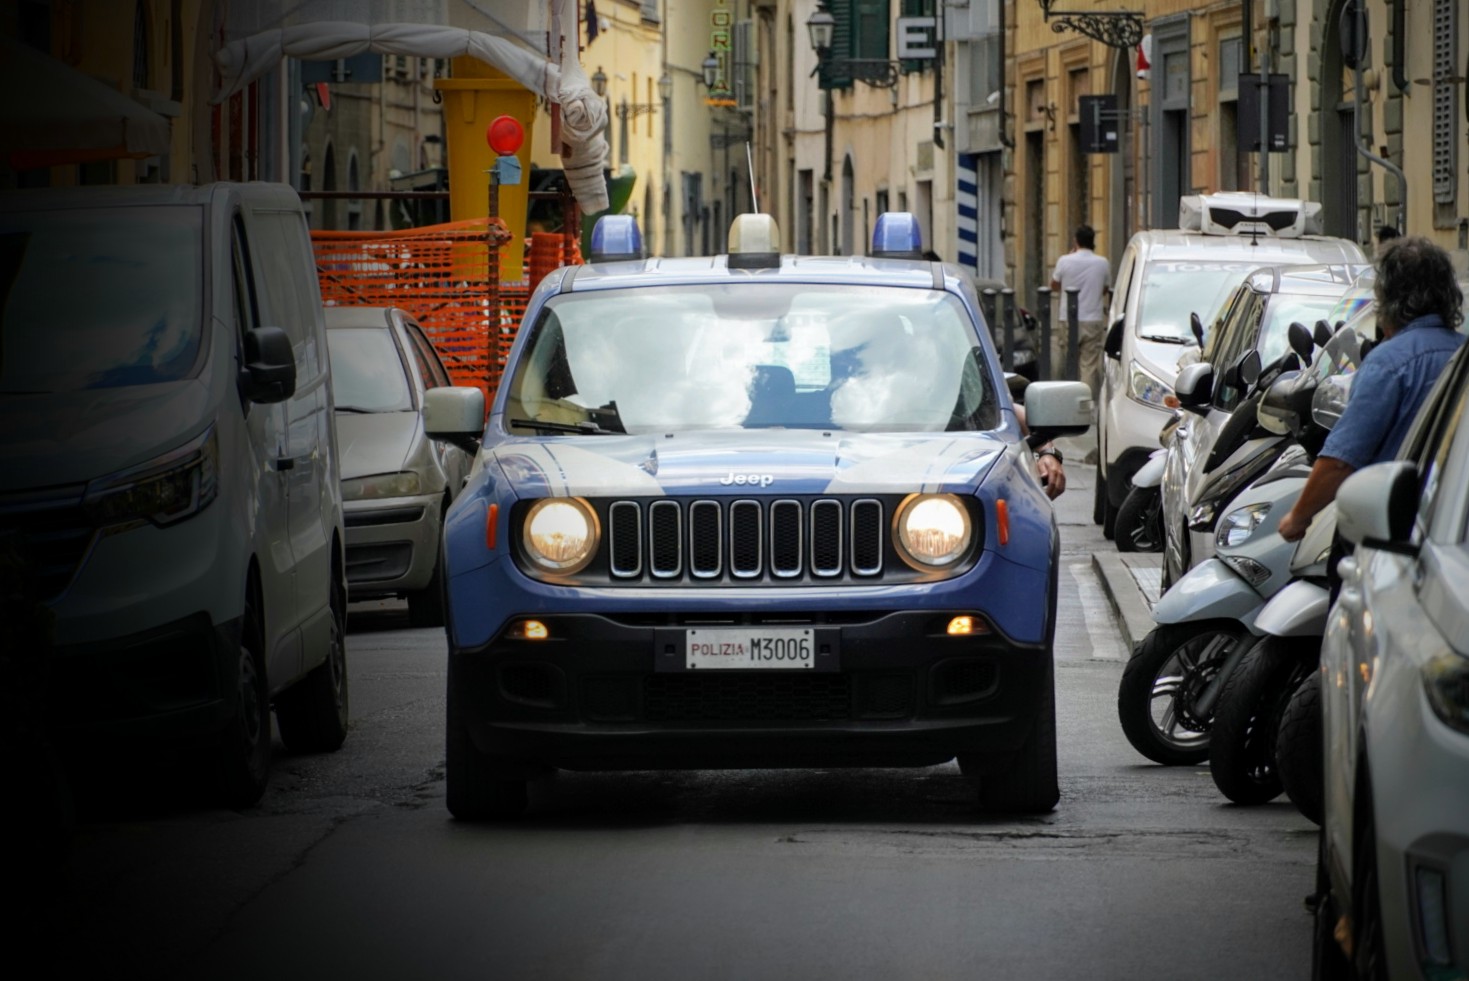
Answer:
(99, 298)
(751, 356)
(367, 371)
(1171, 290)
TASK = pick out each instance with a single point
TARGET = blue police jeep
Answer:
(752, 510)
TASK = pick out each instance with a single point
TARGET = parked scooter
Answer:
(1139, 525)
(1206, 622)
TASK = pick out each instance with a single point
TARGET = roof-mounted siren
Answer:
(897, 236)
(754, 242)
(615, 238)
(1243, 213)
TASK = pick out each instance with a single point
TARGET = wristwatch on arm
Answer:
(1050, 451)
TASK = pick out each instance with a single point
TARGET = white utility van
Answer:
(1165, 275)
(169, 506)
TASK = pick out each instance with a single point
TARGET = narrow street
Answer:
(352, 867)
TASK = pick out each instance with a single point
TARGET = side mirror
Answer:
(1060, 408)
(1249, 368)
(1195, 387)
(1301, 340)
(455, 416)
(1197, 326)
(1377, 505)
(1112, 345)
(269, 374)
(1323, 333)
(1277, 412)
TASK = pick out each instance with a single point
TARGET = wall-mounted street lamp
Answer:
(877, 72)
(599, 82)
(626, 110)
(1116, 28)
(710, 68)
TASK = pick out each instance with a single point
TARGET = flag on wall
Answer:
(592, 26)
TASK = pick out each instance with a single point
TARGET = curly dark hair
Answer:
(1415, 278)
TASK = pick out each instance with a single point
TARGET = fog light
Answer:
(964, 626)
(1433, 914)
(529, 630)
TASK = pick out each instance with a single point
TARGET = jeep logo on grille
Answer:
(759, 479)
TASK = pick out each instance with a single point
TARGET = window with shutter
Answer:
(835, 75)
(1445, 98)
(917, 8)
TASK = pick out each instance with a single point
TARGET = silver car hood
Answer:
(375, 442)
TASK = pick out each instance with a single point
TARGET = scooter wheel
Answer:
(1155, 698)
(1298, 750)
(1140, 521)
(1242, 745)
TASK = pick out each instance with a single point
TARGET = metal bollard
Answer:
(1007, 321)
(1043, 356)
(1073, 333)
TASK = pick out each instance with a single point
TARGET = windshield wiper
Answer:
(1166, 338)
(354, 408)
(579, 428)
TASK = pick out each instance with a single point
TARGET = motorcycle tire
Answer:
(1140, 521)
(1174, 663)
(1298, 749)
(1247, 718)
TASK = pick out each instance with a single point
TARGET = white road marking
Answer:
(1100, 623)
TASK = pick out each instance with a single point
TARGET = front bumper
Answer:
(592, 696)
(1131, 437)
(392, 545)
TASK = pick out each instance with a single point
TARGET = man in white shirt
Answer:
(1091, 275)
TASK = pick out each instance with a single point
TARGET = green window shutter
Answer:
(873, 23)
(841, 44)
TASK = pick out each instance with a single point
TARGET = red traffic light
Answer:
(505, 135)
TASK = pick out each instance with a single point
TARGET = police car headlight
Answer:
(933, 530)
(1236, 527)
(560, 534)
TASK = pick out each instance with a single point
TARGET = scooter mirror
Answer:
(1323, 333)
(1301, 340)
(1249, 368)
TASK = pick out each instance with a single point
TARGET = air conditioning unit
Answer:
(1243, 213)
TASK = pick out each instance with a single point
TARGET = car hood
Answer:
(1161, 358)
(768, 462)
(375, 442)
(73, 437)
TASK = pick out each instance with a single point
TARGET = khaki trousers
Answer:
(1089, 335)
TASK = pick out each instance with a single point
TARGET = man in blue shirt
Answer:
(1419, 308)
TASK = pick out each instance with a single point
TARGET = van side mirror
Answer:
(455, 415)
(1197, 326)
(1301, 340)
(269, 374)
(1112, 345)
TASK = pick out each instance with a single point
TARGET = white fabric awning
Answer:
(56, 114)
(583, 113)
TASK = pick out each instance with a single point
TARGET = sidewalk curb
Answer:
(1134, 615)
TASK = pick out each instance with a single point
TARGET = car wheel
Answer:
(313, 713)
(475, 791)
(1099, 498)
(1160, 684)
(242, 765)
(1328, 962)
(426, 605)
(1298, 749)
(1242, 746)
(1140, 521)
(1028, 783)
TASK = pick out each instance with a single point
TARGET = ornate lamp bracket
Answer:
(1117, 28)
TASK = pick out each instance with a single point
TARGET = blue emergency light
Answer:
(897, 236)
(615, 238)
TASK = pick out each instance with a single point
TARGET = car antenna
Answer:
(750, 169)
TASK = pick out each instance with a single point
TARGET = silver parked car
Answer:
(396, 482)
(1394, 691)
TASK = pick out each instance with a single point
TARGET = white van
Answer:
(1165, 275)
(169, 506)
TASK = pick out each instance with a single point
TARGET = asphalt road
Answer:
(352, 868)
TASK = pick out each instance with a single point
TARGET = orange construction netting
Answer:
(447, 277)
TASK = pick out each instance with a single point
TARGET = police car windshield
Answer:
(1172, 290)
(769, 355)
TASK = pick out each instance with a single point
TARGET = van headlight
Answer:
(560, 534)
(1236, 527)
(381, 485)
(1145, 387)
(175, 486)
(934, 530)
(1446, 682)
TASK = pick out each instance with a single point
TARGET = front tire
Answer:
(1242, 747)
(1299, 752)
(474, 790)
(1139, 525)
(242, 762)
(1029, 784)
(313, 713)
(1172, 666)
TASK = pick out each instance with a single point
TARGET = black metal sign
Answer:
(1100, 123)
(1247, 130)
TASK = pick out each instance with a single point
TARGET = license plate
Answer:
(780, 648)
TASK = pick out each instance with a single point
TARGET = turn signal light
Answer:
(963, 626)
(529, 630)
(1002, 520)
